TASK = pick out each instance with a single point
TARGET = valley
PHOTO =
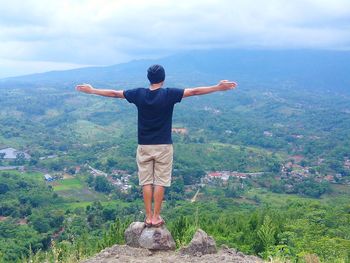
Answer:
(272, 155)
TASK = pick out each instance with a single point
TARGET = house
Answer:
(212, 110)
(77, 169)
(298, 136)
(48, 178)
(48, 157)
(329, 178)
(96, 172)
(3, 218)
(119, 172)
(225, 175)
(268, 134)
(214, 174)
(11, 153)
(182, 131)
(297, 158)
(22, 221)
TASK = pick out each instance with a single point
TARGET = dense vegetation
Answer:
(251, 220)
(80, 129)
(22, 197)
(298, 139)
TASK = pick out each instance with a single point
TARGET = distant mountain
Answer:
(327, 70)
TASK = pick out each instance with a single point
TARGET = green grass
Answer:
(92, 132)
(82, 195)
(257, 150)
(34, 175)
(68, 184)
(15, 142)
(266, 197)
(37, 176)
(74, 205)
(340, 189)
(275, 199)
(339, 194)
(75, 190)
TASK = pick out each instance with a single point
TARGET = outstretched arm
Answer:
(221, 86)
(87, 88)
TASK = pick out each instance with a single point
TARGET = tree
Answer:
(111, 163)
(2, 157)
(20, 158)
(4, 188)
(178, 186)
(102, 184)
(90, 180)
(109, 213)
(233, 190)
(266, 233)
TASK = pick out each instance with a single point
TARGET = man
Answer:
(155, 150)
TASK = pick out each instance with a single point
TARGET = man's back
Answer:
(154, 154)
(155, 110)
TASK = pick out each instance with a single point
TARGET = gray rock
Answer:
(201, 243)
(240, 254)
(125, 254)
(133, 232)
(157, 238)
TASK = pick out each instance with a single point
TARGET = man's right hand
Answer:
(87, 88)
(226, 85)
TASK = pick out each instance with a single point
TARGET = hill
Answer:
(282, 138)
(327, 70)
(286, 105)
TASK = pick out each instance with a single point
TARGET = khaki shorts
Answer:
(155, 164)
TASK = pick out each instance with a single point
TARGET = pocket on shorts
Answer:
(166, 147)
(139, 151)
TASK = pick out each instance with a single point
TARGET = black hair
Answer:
(156, 74)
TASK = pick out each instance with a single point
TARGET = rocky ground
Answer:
(156, 245)
(126, 254)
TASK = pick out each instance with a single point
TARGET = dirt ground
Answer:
(126, 254)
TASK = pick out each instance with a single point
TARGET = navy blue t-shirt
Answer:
(155, 113)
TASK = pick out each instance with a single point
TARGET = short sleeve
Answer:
(175, 95)
(131, 95)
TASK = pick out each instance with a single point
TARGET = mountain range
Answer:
(311, 69)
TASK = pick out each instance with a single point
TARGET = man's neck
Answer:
(155, 86)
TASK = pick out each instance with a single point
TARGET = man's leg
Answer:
(147, 199)
(162, 178)
(158, 195)
(145, 164)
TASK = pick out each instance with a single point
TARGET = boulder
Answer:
(157, 238)
(133, 233)
(200, 244)
(154, 238)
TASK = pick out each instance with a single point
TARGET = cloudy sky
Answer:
(38, 35)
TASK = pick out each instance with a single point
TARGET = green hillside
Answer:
(283, 147)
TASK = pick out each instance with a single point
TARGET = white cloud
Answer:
(10, 68)
(111, 31)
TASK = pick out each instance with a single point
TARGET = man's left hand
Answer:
(87, 88)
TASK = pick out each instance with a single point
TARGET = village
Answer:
(212, 176)
(121, 178)
(291, 169)
(118, 178)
